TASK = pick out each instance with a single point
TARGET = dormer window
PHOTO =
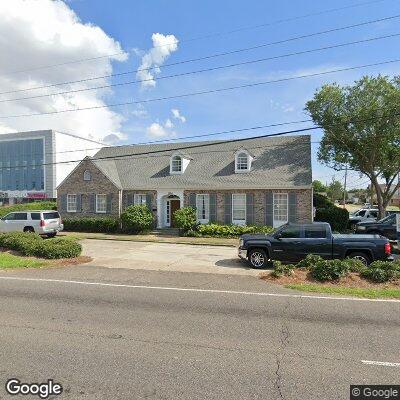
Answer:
(178, 163)
(243, 161)
(87, 176)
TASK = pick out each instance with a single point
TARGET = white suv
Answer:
(42, 222)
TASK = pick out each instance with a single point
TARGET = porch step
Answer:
(165, 232)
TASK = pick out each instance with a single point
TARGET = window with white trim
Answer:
(101, 203)
(239, 209)
(242, 162)
(281, 209)
(176, 164)
(203, 208)
(87, 176)
(71, 202)
(140, 199)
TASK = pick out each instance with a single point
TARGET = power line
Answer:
(184, 95)
(209, 56)
(206, 36)
(207, 69)
(195, 146)
(208, 144)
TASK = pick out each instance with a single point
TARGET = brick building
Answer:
(251, 181)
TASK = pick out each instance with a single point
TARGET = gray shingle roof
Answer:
(280, 162)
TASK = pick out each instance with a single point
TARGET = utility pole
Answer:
(344, 189)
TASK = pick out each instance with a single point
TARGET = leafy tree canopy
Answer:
(361, 126)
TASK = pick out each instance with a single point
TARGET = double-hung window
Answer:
(203, 208)
(101, 203)
(239, 209)
(280, 209)
(71, 202)
(140, 199)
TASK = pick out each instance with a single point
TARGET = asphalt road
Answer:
(110, 340)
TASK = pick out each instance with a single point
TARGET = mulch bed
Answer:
(353, 280)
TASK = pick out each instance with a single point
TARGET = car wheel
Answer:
(29, 229)
(258, 258)
(364, 258)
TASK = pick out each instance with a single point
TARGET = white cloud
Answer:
(169, 124)
(157, 130)
(42, 33)
(176, 113)
(163, 47)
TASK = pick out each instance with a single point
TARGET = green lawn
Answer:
(356, 292)
(9, 261)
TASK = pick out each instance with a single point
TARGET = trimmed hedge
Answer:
(31, 244)
(229, 231)
(36, 205)
(94, 224)
(326, 211)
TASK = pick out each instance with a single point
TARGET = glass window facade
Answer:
(21, 165)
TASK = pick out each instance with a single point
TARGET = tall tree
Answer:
(335, 190)
(318, 186)
(361, 126)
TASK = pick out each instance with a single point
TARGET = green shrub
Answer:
(87, 224)
(282, 269)
(382, 271)
(326, 211)
(137, 218)
(31, 244)
(309, 261)
(36, 205)
(185, 218)
(217, 230)
(59, 248)
(329, 270)
(355, 265)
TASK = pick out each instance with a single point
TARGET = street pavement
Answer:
(135, 334)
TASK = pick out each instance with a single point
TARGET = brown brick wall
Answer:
(304, 206)
(99, 184)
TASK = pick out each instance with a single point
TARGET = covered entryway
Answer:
(167, 204)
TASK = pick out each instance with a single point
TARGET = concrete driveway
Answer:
(165, 257)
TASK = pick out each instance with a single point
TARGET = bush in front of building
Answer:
(185, 219)
(326, 211)
(31, 244)
(35, 205)
(231, 231)
(92, 224)
(137, 219)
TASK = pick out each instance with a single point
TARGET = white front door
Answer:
(281, 209)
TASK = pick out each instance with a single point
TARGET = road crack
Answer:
(280, 356)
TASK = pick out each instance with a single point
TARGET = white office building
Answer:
(32, 164)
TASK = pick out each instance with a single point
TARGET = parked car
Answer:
(385, 227)
(363, 214)
(44, 222)
(293, 242)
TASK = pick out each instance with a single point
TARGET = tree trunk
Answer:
(379, 198)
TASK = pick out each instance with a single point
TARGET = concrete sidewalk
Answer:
(165, 257)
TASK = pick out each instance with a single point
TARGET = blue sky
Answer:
(133, 23)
